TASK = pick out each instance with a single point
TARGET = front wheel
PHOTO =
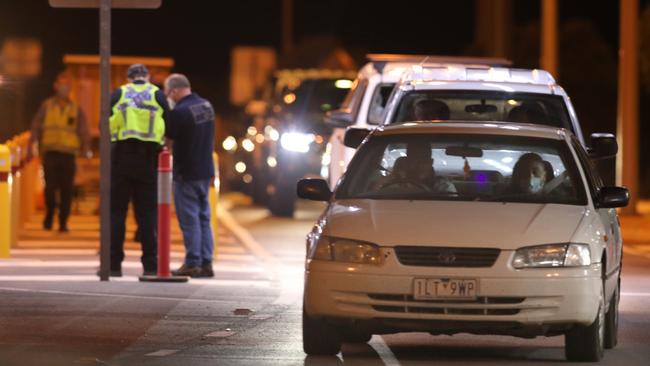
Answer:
(586, 343)
(611, 319)
(319, 337)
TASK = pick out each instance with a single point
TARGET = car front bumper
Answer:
(536, 300)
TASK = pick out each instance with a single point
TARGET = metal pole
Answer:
(627, 167)
(548, 59)
(105, 138)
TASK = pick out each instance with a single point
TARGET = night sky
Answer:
(199, 34)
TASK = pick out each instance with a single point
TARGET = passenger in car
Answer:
(430, 109)
(416, 169)
(528, 175)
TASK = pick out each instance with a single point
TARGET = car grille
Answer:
(448, 307)
(446, 256)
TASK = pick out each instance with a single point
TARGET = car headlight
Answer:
(296, 141)
(345, 250)
(552, 255)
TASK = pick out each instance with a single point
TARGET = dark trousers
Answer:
(59, 170)
(134, 177)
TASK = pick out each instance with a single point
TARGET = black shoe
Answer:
(150, 273)
(113, 273)
(63, 229)
(194, 271)
(206, 271)
(47, 224)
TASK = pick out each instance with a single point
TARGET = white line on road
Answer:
(221, 334)
(384, 351)
(636, 294)
(218, 267)
(162, 353)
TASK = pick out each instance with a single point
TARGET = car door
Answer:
(608, 216)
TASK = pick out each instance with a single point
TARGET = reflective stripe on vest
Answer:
(137, 115)
(59, 129)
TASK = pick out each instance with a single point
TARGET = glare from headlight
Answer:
(240, 167)
(251, 131)
(271, 161)
(229, 143)
(552, 255)
(271, 133)
(248, 145)
(348, 251)
(296, 141)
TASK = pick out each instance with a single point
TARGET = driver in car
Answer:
(416, 170)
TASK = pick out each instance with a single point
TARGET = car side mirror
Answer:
(314, 189)
(354, 136)
(613, 197)
(339, 118)
(603, 146)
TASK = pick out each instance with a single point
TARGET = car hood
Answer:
(452, 223)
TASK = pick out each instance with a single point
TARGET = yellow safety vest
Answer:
(60, 126)
(137, 115)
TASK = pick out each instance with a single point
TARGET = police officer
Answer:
(137, 127)
(61, 130)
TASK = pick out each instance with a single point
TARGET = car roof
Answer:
(474, 127)
(392, 66)
(435, 72)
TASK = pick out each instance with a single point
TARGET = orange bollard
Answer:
(164, 221)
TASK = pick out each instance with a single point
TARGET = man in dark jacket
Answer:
(191, 127)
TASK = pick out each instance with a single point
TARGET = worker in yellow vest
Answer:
(61, 130)
(137, 126)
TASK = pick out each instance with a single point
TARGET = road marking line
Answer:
(388, 358)
(243, 236)
(221, 334)
(162, 353)
(15, 263)
(94, 278)
(636, 294)
(124, 296)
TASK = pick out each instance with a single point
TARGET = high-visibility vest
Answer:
(137, 115)
(59, 128)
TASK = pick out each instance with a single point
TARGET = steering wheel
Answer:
(406, 181)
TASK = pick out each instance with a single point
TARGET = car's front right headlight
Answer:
(345, 250)
(552, 255)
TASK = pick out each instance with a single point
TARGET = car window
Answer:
(473, 105)
(593, 178)
(464, 167)
(353, 99)
(378, 102)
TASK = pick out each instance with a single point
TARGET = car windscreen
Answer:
(464, 167)
(316, 96)
(483, 105)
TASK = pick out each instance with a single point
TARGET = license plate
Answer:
(444, 288)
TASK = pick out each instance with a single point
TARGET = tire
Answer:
(283, 202)
(611, 319)
(319, 337)
(586, 343)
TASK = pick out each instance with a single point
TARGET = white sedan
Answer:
(483, 228)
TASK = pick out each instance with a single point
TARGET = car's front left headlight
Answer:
(345, 250)
(296, 141)
(552, 255)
